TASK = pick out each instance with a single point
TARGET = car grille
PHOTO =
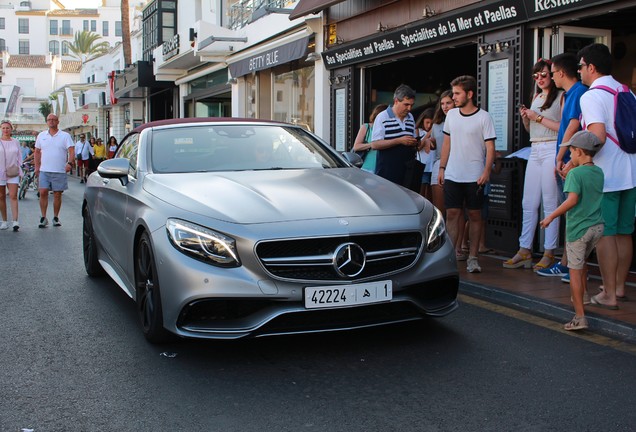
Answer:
(313, 258)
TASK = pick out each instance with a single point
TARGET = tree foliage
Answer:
(45, 109)
(86, 46)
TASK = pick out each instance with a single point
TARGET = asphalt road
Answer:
(74, 359)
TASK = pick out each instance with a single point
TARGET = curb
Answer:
(546, 309)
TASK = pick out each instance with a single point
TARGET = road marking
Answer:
(546, 323)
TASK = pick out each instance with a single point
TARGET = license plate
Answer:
(348, 295)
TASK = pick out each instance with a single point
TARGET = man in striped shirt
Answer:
(394, 136)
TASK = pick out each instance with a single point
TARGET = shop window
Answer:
(250, 99)
(298, 96)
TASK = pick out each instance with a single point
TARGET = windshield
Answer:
(237, 147)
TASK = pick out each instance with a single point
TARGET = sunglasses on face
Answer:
(580, 66)
(538, 75)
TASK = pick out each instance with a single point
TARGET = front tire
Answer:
(24, 185)
(149, 307)
(89, 247)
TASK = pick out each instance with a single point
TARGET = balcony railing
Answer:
(241, 12)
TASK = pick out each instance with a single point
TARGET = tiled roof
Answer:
(28, 61)
(71, 66)
(72, 12)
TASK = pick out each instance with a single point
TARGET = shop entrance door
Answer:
(571, 39)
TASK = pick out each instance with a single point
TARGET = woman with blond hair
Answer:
(10, 159)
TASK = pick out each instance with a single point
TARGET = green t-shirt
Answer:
(587, 182)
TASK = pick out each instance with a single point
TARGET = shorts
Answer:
(56, 182)
(426, 178)
(618, 209)
(460, 195)
(83, 163)
(580, 249)
(10, 180)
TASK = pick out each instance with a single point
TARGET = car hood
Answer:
(283, 195)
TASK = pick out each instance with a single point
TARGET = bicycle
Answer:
(29, 180)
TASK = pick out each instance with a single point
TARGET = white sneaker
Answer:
(4, 225)
(472, 265)
(43, 222)
(16, 225)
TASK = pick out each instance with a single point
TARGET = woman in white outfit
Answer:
(542, 121)
(10, 155)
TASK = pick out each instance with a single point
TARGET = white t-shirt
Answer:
(468, 134)
(79, 145)
(619, 167)
(54, 150)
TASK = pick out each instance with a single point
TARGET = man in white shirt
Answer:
(614, 250)
(468, 153)
(79, 147)
(54, 157)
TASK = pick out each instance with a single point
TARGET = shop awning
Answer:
(269, 55)
(306, 7)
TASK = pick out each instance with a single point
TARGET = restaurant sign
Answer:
(468, 21)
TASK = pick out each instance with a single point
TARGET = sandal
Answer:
(519, 260)
(460, 256)
(543, 264)
(577, 323)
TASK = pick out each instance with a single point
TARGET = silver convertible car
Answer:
(228, 228)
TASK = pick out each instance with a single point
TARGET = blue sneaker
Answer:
(557, 269)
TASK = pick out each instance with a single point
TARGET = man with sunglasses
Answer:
(614, 250)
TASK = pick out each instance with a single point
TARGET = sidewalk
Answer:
(547, 296)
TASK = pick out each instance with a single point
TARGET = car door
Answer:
(112, 228)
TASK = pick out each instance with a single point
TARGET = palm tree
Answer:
(125, 31)
(85, 46)
(45, 109)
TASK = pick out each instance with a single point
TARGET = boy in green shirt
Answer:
(583, 220)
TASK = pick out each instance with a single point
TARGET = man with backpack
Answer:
(607, 115)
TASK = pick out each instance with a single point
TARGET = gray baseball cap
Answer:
(584, 140)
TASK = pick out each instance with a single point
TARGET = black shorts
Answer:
(460, 195)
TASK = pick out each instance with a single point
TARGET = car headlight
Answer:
(202, 243)
(435, 232)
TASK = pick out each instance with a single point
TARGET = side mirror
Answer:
(353, 158)
(115, 168)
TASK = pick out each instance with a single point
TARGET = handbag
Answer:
(13, 171)
(367, 139)
(413, 170)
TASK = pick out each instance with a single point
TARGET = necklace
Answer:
(588, 163)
